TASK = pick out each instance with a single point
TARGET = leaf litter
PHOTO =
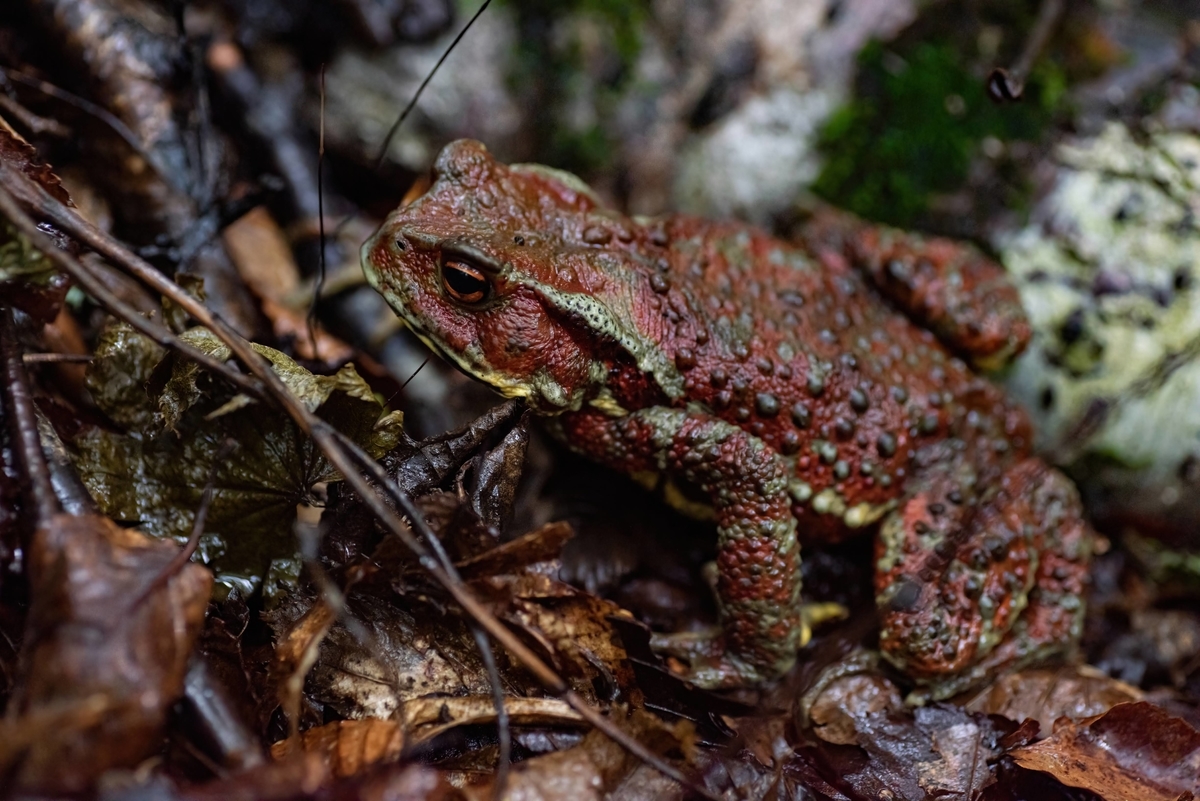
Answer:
(375, 667)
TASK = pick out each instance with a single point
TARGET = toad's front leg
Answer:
(758, 558)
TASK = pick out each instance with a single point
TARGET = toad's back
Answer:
(792, 344)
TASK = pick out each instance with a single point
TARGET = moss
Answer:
(564, 75)
(915, 127)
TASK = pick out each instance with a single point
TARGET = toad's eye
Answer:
(465, 282)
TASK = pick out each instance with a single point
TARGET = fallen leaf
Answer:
(105, 652)
(1045, 695)
(596, 768)
(176, 441)
(347, 745)
(410, 651)
(1133, 752)
(938, 751)
(263, 257)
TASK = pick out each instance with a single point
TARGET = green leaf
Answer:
(193, 428)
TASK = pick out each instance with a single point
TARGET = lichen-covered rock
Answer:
(1109, 271)
(470, 95)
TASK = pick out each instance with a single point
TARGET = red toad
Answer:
(811, 390)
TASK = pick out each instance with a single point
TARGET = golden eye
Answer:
(465, 282)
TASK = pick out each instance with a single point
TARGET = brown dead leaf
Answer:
(105, 652)
(23, 156)
(540, 545)
(351, 746)
(1133, 752)
(28, 280)
(307, 775)
(347, 745)
(836, 710)
(595, 768)
(938, 751)
(296, 653)
(262, 255)
(1046, 694)
(263, 258)
(572, 628)
(294, 778)
(410, 651)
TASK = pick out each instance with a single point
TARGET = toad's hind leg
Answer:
(970, 584)
(948, 287)
(758, 557)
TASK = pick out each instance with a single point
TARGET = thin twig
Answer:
(1008, 85)
(312, 306)
(35, 123)
(82, 274)
(19, 403)
(119, 128)
(503, 725)
(387, 140)
(56, 358)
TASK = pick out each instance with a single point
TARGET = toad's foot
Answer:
(713, 667)
(967, 587)
(709, 664)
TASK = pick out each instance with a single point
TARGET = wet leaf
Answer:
(105, 653)
(193, 428)
(263, 257)
(597, 768)
(1133, 752)
(296, 653)
(1044, 695)
(409, 651)
(938, 751)
(540, 545)
(572, 629)
(497, 474)
(349, 746)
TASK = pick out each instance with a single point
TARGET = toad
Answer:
(810, 390)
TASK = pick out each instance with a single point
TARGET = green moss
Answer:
(916, 126)
(556, 73)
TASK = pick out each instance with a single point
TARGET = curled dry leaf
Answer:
(497, 475)
(1133, 752)
(541, 545)
(572, 627)
(296, 653)
(177, 439)
(105, 652)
